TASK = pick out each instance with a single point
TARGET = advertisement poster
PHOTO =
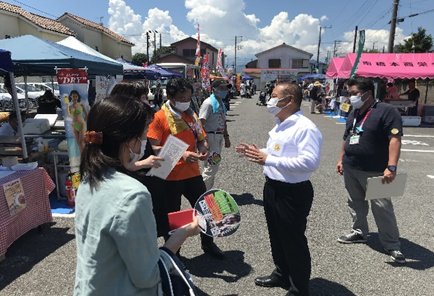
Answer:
(217, 213)
(14, 194)
(75, 107)
(205, 73)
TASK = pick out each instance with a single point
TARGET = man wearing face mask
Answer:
(177, 119)
(291, 156)
(213, 117)
(371, 148)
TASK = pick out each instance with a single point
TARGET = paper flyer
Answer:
(218, 213)
(171, 152)
(14, 194)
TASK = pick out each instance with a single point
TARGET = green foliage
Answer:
(159, 52)
(417, 42)
(371, 51)
(139, 59)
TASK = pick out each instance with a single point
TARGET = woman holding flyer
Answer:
(117, 250)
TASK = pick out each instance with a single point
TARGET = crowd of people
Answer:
(125, 135)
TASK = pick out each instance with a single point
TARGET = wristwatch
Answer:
(391, 168)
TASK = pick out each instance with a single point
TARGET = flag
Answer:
(359, 53)
(205, 73)
(198, 41)
(219, 67)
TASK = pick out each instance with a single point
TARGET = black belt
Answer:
(215, 133)
(285, 184)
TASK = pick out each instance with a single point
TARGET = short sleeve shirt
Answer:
(372, 152)
(215, 122)
(159, 130)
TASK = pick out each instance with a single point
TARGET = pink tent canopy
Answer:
(333, 69)
(390, 65)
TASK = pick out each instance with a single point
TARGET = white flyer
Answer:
(171, 152)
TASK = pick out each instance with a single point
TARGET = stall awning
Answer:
(334, 67)
(390, 65)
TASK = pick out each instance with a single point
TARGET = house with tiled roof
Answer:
(184, 51)
(98, 37)
(15, 21)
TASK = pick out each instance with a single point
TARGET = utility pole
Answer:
(155, 41)
(393, 26)
(373, 45)
(355, 39)
(319, 42)
(236, 47)
(147, 46)
(335, 48)
(160, 41)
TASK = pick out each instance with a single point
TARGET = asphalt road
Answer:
(43, 263)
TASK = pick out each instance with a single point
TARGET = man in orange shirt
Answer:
(177, 119)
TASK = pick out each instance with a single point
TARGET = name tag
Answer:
(354, 140)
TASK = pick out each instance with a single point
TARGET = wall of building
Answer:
(285, 55)
(191, 44)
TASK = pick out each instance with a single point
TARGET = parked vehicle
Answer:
(6, 100)
(43, 86)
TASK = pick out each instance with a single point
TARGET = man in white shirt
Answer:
(291, 156)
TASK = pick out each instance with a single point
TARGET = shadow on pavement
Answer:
(323, 287)
(418, 257)
(231, 269)
(247, 199)
(21, 255)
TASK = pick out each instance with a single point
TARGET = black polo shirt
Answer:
(372, 152)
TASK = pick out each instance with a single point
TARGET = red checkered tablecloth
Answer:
(37, 185)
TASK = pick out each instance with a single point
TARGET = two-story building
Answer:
(98, 37)
(15, 22)
(281, 61)
(184, 51)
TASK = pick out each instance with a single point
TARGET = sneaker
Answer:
(352, 238)
(396, 256)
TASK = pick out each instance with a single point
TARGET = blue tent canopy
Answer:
(164, 72)
(5, 61)
(132, 71)
(246, 77)
(33, 56)
(312, 76)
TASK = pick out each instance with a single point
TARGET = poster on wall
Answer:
(14, 194)
(75, 107)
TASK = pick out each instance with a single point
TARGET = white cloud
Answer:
(220, 21)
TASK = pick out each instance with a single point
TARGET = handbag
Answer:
(175, 281)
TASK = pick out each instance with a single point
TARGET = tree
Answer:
(417, 42)
(139, 59)
(371, 51)
(159, 52)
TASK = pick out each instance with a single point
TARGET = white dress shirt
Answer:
(294, 150)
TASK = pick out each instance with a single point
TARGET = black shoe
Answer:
(213, 250)
(271, 281)
(396, 256)
(352, 238)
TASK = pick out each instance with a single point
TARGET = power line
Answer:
(35, 8)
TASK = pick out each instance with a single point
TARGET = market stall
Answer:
(392, 66)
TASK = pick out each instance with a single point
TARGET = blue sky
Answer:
(262, 23)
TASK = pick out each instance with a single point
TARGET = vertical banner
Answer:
(75, 107)
(219, 67)
(197, 61)
(359, 53)
(238, 81)
(205, 73)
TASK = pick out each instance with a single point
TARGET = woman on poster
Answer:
(76, 110)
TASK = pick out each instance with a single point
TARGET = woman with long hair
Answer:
(117, 250)
(76, 110)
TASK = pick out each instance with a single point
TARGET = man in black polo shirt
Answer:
(371, 148)
(412, 94)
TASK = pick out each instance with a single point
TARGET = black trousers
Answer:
(192, 189)
(286, 209)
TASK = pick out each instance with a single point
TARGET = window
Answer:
(274, 63)
(188, 52)
(297, 63)
(203, 51)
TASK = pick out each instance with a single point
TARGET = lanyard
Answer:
(192, 129)
(356, 114)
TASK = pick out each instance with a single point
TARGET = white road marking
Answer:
(423, 151)
(63, 215)
(430, 176)
(419, 136)
(414, 143)
(340, 122)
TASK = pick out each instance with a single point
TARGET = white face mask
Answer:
(136, 157)
(182, 106)
(272, 106)
(356, 101)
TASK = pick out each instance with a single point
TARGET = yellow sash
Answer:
(177, 124)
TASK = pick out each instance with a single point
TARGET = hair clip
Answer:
(93, 138)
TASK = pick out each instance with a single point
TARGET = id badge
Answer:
(354, 140)
(214, 158)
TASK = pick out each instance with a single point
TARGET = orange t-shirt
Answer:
(159, 130)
